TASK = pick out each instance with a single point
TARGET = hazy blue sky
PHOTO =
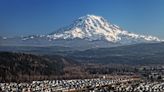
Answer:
(27, 17)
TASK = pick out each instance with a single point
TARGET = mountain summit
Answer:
(87, 31)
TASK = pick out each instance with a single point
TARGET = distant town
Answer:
(104, 84)
(148, 79)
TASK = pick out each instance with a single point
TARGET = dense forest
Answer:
(21, 67)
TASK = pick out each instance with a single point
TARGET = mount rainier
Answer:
(86, 32)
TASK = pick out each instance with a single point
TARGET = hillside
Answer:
(27, 67)
(150, 53)
(146, 53)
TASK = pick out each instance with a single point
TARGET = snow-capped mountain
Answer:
(91, 27)
(89, 30)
